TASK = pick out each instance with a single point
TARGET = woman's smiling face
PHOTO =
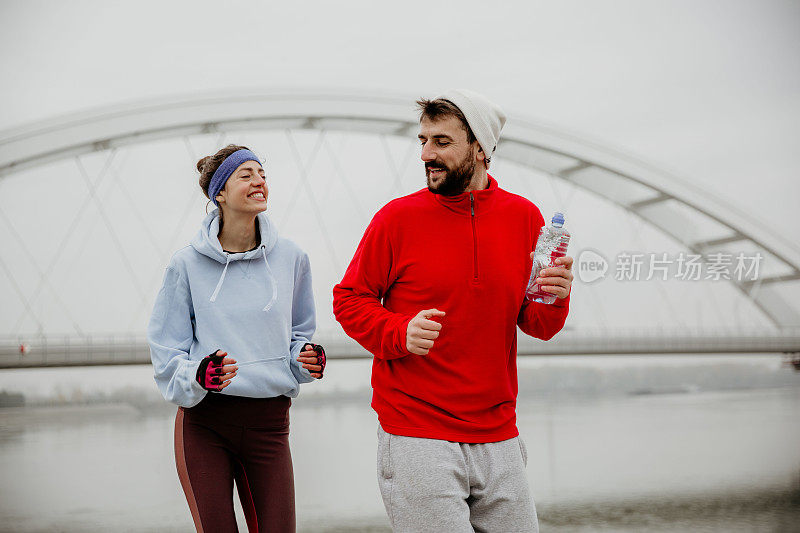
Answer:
(246, 190)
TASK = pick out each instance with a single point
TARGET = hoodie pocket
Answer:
(264, 378)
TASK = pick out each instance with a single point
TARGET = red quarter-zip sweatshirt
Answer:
(469, 256)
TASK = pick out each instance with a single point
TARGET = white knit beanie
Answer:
(485, 118)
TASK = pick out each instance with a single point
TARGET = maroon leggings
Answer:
(226, 438)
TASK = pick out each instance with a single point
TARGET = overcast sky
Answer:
(709, 90)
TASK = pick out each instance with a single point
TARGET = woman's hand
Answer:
(313, 359)
(216, 371)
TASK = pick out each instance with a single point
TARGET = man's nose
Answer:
(428, 153)
(260, 180)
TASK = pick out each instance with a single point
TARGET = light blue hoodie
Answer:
(258, 306)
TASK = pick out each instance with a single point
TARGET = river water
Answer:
(683, 461)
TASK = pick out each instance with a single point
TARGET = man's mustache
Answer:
(434, 164)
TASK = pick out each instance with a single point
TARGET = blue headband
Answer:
(225, 170)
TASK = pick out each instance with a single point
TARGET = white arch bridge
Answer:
(698, 221)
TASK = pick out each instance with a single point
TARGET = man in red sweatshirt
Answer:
(435, 291)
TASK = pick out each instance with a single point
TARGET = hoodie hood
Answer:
(207, 243)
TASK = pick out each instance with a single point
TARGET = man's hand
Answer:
(557, 279)
(422, 331)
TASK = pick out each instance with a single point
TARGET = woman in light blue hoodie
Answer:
(230, 343)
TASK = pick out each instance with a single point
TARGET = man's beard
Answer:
(455, 181)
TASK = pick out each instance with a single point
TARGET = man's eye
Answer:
(443, 143)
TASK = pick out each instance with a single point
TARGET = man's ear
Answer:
(480, 156)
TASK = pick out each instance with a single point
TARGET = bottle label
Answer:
(551, 246)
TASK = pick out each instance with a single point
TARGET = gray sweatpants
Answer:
(431, 485)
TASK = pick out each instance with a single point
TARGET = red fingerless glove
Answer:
(208, 373)
(320, 356)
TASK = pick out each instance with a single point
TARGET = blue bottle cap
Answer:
(558, 219)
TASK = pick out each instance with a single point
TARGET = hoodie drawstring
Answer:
(271, 280)
(269, 275)
(221, 279)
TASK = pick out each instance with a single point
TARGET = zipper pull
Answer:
(472, 204)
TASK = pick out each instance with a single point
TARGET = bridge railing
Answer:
(119, 349)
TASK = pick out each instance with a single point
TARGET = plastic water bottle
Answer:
(551, 245)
